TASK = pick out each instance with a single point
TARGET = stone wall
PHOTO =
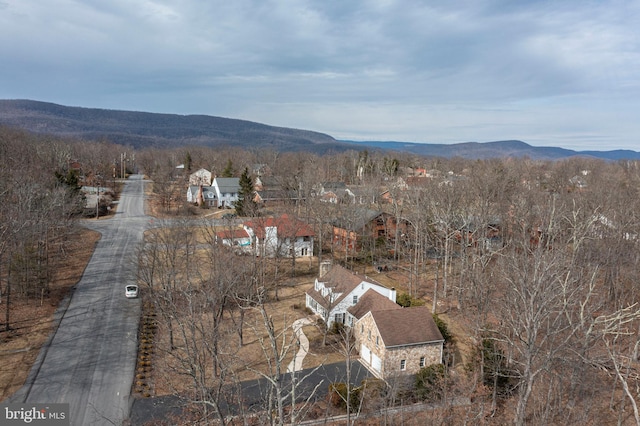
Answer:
(432, 354)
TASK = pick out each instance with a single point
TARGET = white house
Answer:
(226, 191)
(284, 236)
(337, 290)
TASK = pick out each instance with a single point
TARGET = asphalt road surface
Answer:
(90, 360)
(313, 385)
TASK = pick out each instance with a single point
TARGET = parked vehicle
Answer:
(131, 291)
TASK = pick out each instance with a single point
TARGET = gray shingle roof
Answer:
(371, 300)
(227, 185)
(407, 326)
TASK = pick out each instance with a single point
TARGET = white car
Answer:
(131, 291)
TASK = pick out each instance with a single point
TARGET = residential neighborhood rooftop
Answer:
(407, 326)
(372, 301)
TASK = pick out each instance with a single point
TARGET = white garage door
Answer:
(365, 354)
(376, 362)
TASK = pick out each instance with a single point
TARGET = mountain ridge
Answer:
(146, 129)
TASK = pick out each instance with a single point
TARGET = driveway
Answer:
(148, 410)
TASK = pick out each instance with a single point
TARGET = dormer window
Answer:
(355, 299)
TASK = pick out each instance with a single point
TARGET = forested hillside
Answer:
(144, 130)
(140, 129)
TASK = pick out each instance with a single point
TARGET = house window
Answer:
(421, 361)
(361, 328)
(304, 252)
(377, 340)
(369, 334)
(403, 365)
(355, 299)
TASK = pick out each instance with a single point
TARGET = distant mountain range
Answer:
(499, 149)
(143, 129)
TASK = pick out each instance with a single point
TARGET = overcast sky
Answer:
(550, 73)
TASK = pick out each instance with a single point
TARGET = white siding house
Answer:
(284, 236)
(226, 191)
(337, 290)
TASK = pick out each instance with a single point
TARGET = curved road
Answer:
(90, 360)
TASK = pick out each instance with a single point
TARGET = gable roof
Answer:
(227, 185)
(371, 300)
(268, 182)
(407, 326)
(288, 226)
(340, 280)
(357, 219)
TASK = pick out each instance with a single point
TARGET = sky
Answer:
(560, 73)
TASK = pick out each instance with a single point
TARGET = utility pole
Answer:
(97, 199)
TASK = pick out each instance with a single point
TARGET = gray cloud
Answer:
(550, 73)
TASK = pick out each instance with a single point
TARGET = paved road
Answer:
(90, 360)
(149, 410)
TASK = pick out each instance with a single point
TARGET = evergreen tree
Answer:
(228, 171)
(187, 162)
(245, 206)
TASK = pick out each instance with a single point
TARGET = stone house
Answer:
(392, 340)
(200, 177)
(396, 342)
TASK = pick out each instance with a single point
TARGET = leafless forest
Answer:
(533, 264)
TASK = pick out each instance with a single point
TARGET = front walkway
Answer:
(303, 343)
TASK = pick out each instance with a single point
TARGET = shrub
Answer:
(406, 300)
(430, 382)
(337, 327)
(444, 329)
(338, 396)
(496, 372)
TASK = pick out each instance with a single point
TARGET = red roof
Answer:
(288, 226)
